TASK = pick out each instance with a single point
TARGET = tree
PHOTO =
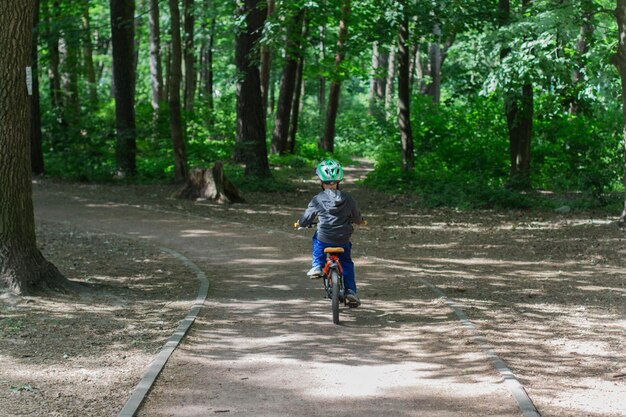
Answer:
(122, 36)
(404, 94)
(266, 58)
(23, 268)
(328, 140)
(36, 151)
(190, 70)
(156, 71)
(90, 70)
(250, 137)
(518, 104)
(287, 83)
(176, 125)
(619, 60)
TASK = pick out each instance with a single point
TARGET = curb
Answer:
(155, 368)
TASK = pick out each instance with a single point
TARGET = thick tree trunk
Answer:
(176, 126)
(36, 151)
(266, 59)
(619, 60)
(404, 96)
(250, 139)
(190, 70)
(90, 69)
(287, 85)
(210, 184)
(156, 71)
(328, 141)
(22, 267)
(122, 36)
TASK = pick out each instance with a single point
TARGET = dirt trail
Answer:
(545, 289)
(264, 344)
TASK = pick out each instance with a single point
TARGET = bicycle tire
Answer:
(334, 277)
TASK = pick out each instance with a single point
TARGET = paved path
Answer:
(264, 343)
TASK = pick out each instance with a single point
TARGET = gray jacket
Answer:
(336, 211)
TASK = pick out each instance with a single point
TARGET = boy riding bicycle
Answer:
(336, 212)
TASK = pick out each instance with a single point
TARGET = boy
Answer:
(336, 211)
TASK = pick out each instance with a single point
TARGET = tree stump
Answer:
(210, 184)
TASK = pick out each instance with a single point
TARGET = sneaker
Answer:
(315, 272)
(353, 300)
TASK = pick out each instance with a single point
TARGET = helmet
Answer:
(329, 170)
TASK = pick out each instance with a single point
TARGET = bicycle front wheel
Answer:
(334, 278)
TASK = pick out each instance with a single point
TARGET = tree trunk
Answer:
(210, 184)
(156, 71)
(404, 96)
(519, 115)
(266, 59)
(328, 141)
(619, 60)
(122, 36)
(176, 127)
(190, 70)
(287, 85)
(54, 77)
(36, 151)
(70, 52)
(209, 64)
(321, 82)
(582, 47)
(23, 268)
(250, 139)
(373, 103)
(391, 73)
(296, 105)
(90, 69)
(434, 88)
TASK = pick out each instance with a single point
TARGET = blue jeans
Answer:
(347, 266)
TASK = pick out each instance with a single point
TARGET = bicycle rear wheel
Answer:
(334, 278)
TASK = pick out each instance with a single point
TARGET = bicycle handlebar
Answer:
(297, 225)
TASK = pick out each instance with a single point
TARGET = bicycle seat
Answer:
(334, 250)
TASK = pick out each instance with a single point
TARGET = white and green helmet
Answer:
(329, 170)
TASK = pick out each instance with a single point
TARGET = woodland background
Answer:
(463, 103)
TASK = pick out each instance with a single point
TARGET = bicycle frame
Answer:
(333, 264)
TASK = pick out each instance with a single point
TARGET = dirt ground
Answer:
(547, 291)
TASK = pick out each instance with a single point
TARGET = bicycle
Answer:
(332, 278)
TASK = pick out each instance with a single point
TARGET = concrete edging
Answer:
(157, 364)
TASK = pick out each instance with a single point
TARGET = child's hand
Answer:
(296, 224)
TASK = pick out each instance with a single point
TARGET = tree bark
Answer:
(404, 96)
(321, 82)
(36, 151)
(23, 268)
(54, 77)
(156, 71)
(251, 138)
(70, 53)
(582, 47)
(90, 70)
(287, 85)
(176, 126)
(122, 37)
(391, 73)
(434, 55)
(296, 105)
(266, 59)
(328, 141)
(619, 60)
(190, 70)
